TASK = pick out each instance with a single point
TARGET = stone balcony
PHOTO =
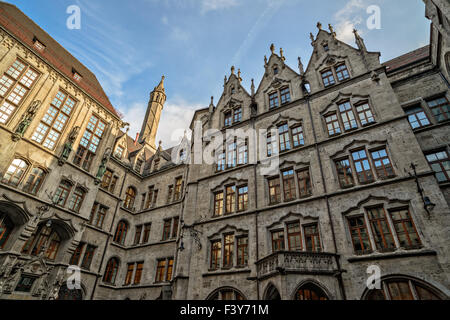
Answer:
(284, 262)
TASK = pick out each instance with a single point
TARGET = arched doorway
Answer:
(67, 294)
(310, 291)
(272, 293)
(403, 288)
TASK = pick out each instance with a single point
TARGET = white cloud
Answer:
(175, 119)
(212, 5)
(348, 18)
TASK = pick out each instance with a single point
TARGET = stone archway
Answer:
(272, 293)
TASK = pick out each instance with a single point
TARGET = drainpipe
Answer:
(109, 235)
(339, 275)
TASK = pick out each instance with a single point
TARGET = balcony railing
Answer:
(297, 262)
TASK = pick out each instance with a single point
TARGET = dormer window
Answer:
(342, 72)
(232, 116)
(139, 164)
(38, 45)
(233, 90)
(273, 100)
(228, 118)
(156, 164)
(275, 70)
(183, 155)
(76, 76)
(328, 78)
(325, 47)
(119, 152)
(285, 96)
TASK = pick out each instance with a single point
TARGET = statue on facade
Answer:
(102, 168)
(68, 146)
(27, 118)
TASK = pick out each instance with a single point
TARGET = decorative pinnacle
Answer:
(300, 66)
(281, 54)
(332, 30)
(272, 48)
(265, 60)
(239, 75)
(311, 36)
(212, 99)
(319, 25)
(232, 70)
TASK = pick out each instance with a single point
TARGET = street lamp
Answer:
(427, 204)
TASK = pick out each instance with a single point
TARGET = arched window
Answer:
(272, 293)
(111, 271)
(15, 172)
(310, 291)
(77, 200)
(6, 227)
(47, 238)
(121, 232)
(403, 289)
(67, 294)
(130, 196)
(226, 294)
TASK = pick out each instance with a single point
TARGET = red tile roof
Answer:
(24, 29)
(407, 59)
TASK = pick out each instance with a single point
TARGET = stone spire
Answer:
(359, 41)
(300, 66)
(211, 105)
(253, 88)
(152, 116)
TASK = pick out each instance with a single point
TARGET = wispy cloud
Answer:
(348, 18)
(213, 5)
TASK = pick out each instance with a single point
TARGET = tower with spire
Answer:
(152, 116)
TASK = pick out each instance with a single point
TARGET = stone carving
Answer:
(68, 146)
(102, 168)
(27, 118)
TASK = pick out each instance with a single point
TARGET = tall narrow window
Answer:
(298, 139)
(218, 204)
(228, 251)
(285, 143)
(228, 118)
(243, 154)
(440, 163)
(6, 228)
(149, 197)
(405, 229)
(54, 121)
(345, 174)
(111, 271)
(242, 198)
(440, 108)
(15, 84)
(178, 189)
(333, 125)
(328, 78)
(77, 200)
(382, 163)
(89, 143)
(304, 183)
(121, 232)
(362, 166)
(231, 154)
(147, 229)
(230, 199)
(130, 197)
(169, 194)
(312, 238)
(129, 275)
(277, 241)
(285, 96)
(274, 190)
(273, 100)
(15, 172)
(294, 236)
(342, 72)
(169, 269)
(242, 251)
(360, 237)
(237, 115)
(216, 252)
(289, 185)
(269, 144)
(365, 114)
(75, 259)
(138, 273)
(220, 161)
(88, 255)
(139, 164)
(348, 117)
(62, 192)
(175, 227)
(34, 180)
(166, 230)
(417, 117)
(380, 229)
(137, 235)
(119, 152)
(160, 270)
(98, 214)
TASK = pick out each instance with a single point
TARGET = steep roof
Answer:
(23, 28)
(407, 59)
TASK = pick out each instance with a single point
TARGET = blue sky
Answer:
(130, 44)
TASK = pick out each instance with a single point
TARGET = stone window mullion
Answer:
(369, 232)
(392, 227)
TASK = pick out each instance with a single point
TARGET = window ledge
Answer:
(399, 253)
(213, 273)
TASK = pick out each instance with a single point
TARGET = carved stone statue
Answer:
(68, 146)
(27, 118)
(102, 168)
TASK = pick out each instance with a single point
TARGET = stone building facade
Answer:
(361, 180)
